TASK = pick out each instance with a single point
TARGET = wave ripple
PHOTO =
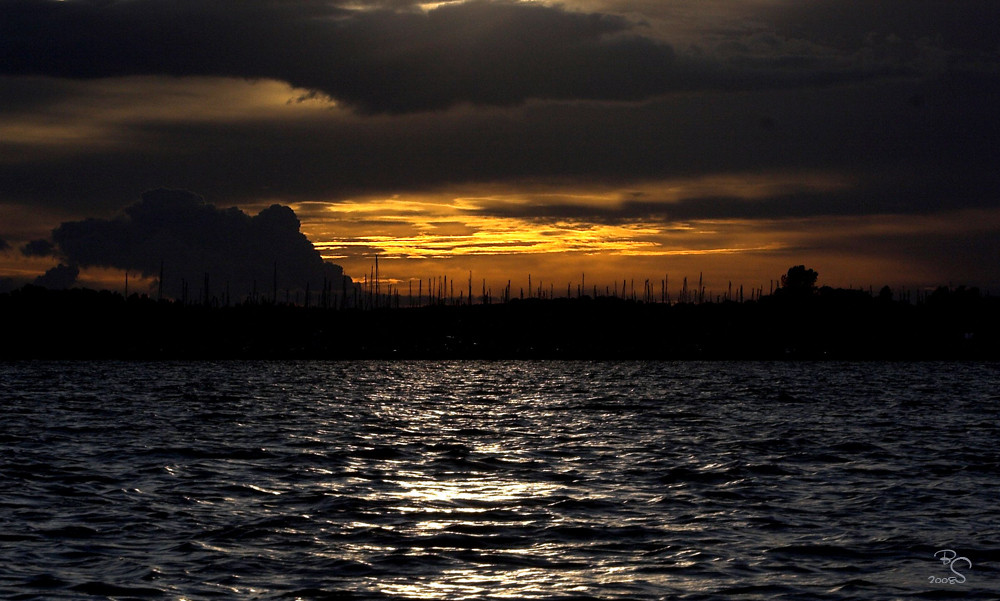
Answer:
(457, 480)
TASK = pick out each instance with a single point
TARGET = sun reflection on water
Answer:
(446, 516)
(525, 583)
(439, 507)
(478, 492)
(472, 499)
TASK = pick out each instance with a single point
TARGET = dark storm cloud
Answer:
(935, 125)
(27, 93)
(385, 60)
(907, 156)
(191, 238)
(38, 248)
(378, 60)
(961, 26)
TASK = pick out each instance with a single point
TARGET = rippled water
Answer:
(452, 480)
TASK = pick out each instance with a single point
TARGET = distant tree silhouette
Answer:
(799, 280)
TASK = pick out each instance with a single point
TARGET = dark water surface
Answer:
(452, 480)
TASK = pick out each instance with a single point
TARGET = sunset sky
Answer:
(617, 138)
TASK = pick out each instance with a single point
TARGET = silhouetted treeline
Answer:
(792, 323)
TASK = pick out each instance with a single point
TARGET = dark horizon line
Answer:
(797, 323)
(367, 296)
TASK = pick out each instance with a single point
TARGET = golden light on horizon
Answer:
(491, 221)
(558, 234)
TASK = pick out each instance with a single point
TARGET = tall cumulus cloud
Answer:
(191, 238)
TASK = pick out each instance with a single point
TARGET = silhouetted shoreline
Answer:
(825, 324)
